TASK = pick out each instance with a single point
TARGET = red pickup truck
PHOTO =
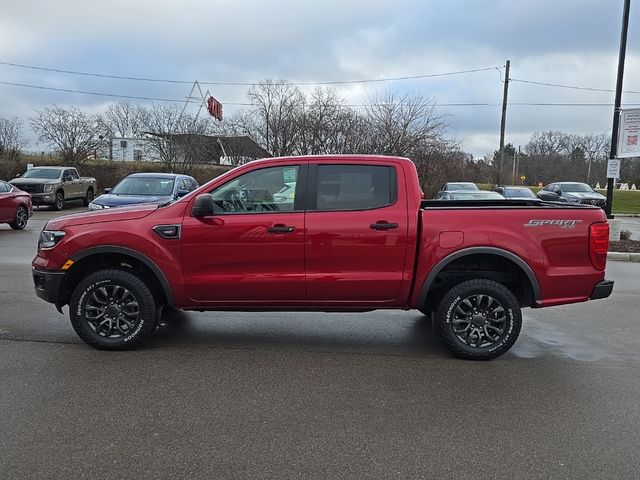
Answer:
(347, 233)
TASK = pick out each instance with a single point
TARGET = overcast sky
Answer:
(573, 42)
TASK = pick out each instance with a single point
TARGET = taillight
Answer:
(599, 244)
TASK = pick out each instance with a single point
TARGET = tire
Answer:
(478, 319)
(124, 310)
(58, 204)
(88, 197)
(20, 218)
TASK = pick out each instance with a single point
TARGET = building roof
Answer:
(216, 146)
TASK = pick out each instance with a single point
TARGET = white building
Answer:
(130, 149)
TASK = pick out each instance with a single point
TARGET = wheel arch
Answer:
(531, 294)
(109, 256)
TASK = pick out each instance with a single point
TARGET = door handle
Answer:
(281, 229)
(383, 225)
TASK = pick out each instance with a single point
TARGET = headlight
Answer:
(48, 188)
(97, 206)
(49, 238)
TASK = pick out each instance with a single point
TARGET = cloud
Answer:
(572, 42)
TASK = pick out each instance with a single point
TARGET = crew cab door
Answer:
(357, 225)
(251, 250)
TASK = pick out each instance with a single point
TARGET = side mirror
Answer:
(107, 190)
(181, 192)
(66, 179)
(203, 206)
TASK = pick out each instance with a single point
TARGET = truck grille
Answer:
(31, 187)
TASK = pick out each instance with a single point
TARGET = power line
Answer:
(246, 104)
(572, 87)
(246, 84)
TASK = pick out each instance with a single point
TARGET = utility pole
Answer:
(504, 118)
(618, 101)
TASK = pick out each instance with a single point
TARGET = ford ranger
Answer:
(355, 236)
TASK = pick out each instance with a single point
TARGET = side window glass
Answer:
(355, 187)
(74, 175)
(267, 190)
(192, 184)
(3, 187)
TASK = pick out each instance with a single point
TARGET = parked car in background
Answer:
(469, 195)
(572, 192)
(15, 206)
(455, 186)
(145, 188)
(55, 185)
(516, 193)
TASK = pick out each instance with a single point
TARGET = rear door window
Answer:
(355, 187)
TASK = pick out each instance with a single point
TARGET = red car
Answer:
(15, 206)
(355, 237)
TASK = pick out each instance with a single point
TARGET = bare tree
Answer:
(596, 149)
(124, 119)
(402, 124)
(176, 139)
(70, 132)
(11, 139)
(272, 121)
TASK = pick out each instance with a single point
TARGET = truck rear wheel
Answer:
(113, 310)
(478, 319)
(88, 197)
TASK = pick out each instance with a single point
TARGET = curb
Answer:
(627, 215)
(623, 257)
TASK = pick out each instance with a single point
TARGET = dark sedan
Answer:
(15, 206)
(572, 192)
(516, 193)
(145, 188)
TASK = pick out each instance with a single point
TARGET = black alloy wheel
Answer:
(478, 319)
(113, 309)
(20, 219)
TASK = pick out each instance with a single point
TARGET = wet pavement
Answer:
(289, 395)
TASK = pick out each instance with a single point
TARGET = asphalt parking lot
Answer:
(287, 395)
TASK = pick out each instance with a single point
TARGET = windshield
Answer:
(462, 186)
(577, 187)
(144, 186)
(518, 193)
(476, 196)
(48, 173)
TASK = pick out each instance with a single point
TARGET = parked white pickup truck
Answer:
(55, 185)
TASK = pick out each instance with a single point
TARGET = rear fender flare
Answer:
(524, 266)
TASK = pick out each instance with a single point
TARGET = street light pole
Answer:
(618, 101)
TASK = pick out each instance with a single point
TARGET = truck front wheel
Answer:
(113, 310)
(478, 319)
(58, 203)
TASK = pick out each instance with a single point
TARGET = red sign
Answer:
(214, 107)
